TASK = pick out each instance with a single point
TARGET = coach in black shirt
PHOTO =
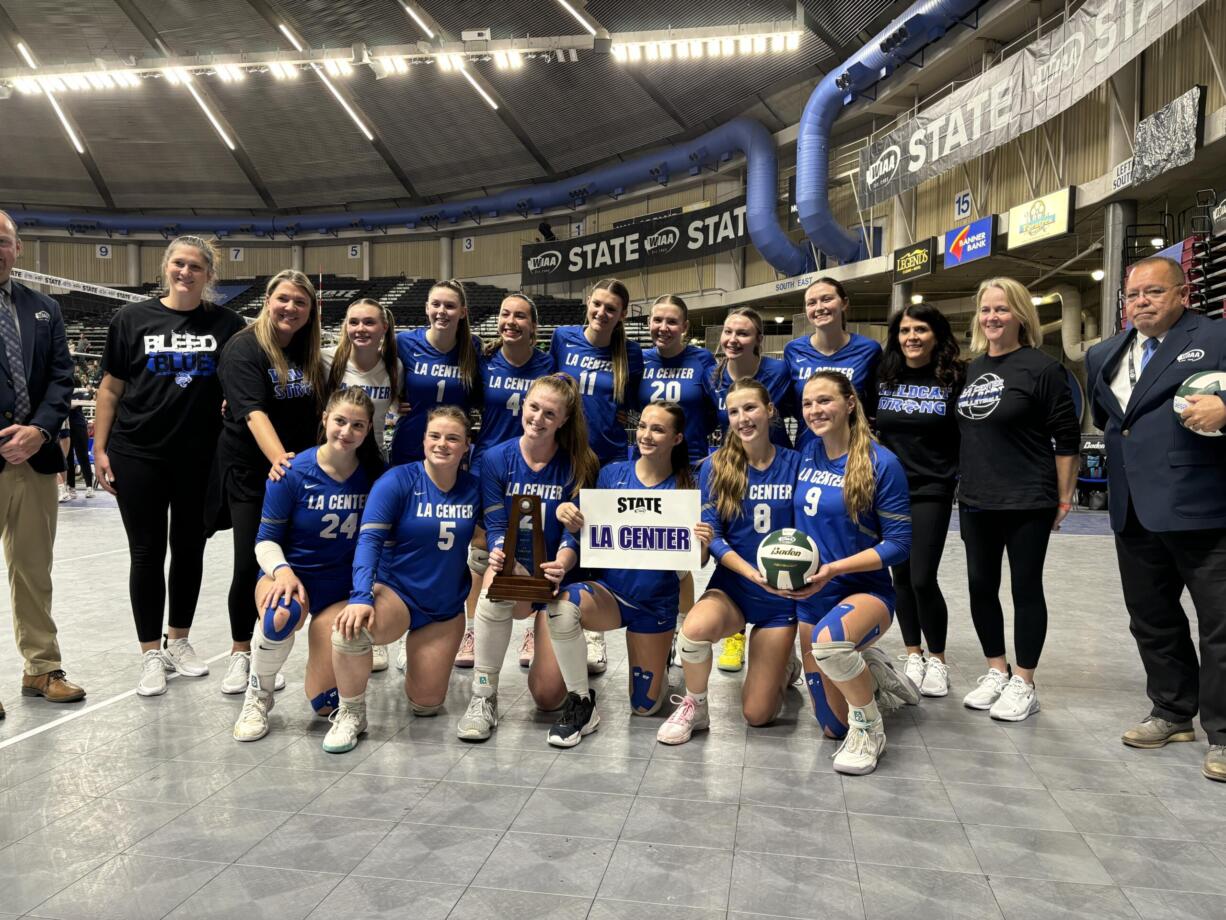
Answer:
(1167, 488)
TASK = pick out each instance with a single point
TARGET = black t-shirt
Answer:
(916, 419)
(167, 360)
(1011, 412)
(250, 383)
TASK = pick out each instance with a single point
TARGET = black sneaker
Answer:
(579, 718)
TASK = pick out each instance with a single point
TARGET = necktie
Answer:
(1147, 351)
(17, 369)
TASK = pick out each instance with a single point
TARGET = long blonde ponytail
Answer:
(859, 479)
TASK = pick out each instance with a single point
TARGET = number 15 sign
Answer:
(640, 529)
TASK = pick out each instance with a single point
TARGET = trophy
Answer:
(524, 544)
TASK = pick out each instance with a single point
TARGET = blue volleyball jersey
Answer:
(431, 378)
(415, 538)
(857, 360)
(504, 475)
(683, 379)
(574, 355)
(821, 514)
(767, 506)
(772, 374)
(314, 518)
(641, 588)
(503, 387)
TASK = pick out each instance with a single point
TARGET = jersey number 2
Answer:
(333, 522)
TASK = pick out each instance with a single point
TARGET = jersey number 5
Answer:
(446, 534)
(333, 522)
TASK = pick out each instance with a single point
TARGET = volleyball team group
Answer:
(204, 418)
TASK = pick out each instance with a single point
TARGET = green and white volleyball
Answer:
(786, 558)
(1206, 383)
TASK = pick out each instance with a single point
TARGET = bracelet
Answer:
(1065, 506)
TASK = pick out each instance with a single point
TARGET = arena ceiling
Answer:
(152, 147)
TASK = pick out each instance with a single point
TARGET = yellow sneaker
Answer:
(732, 658)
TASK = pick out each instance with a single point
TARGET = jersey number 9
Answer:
(812, 497)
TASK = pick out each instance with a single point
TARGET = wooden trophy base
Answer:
(520, 588)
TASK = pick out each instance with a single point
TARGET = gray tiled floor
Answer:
(147, 808)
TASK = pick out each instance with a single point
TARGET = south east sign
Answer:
(914, 261)
(671, 238)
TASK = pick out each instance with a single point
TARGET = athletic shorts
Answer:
(813, 609)
(323, 592)
(758, 607)
(640, 619)
(418, 617)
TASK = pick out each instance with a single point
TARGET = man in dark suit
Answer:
(1167, 497)
(35, 390)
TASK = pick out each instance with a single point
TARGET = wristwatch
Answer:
(44, 432)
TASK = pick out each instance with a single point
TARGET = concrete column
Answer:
(899, 236)
(1124, 100)
(296, 256)
(133, 264)
(444, 256)
(366, 260)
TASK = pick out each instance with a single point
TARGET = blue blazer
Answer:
(1175, 478)
(48, 367)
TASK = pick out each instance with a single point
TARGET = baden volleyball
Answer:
(1207, 383)
(786, 558)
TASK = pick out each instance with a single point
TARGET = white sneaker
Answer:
(597, 652)
(479, 719)
(72, 494)
(278, 682)
(63, 493)
(988, 690)
(891, 685)
(348, 722)
(378, 659)
(152, 674)
(913, 666)
(687, 718)
(89, 491)
(252, 722)
(180, 656)
(1017, 701)
(861, 748)
(936, 678)
(402, 655)
(238, 672)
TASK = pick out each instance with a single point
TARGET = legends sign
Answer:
(675, 238)
(914, 261)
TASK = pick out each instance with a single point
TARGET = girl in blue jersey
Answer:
(440, 367)
(607, 366)
(851, 499)
(410, 573)
(551, 460)
(644, 602)
(509, 365)
(305, 544)
(831, 347)
(675, 371)
(740, 345)
(746, 493)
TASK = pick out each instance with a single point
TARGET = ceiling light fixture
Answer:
(26, 56)
(72, 135)
(290, 35)
(421, 23)
(578, 18)
(710, 46)
(1098, 274)
(1157, 242)
(515, 59)
(344, 105)
(477, 86)
(208, 113)
(917, 298)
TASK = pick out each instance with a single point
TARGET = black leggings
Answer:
(147, 490)
(988, 535)
(245, 516)
(79, 430)
(920, 605)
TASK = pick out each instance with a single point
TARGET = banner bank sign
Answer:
(673, 238)
(1021, 92)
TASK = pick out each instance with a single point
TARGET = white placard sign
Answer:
(102, 251)
(640, 529)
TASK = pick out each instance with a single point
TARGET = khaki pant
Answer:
(28, 509)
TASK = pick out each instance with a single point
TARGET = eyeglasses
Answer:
(1150, 293)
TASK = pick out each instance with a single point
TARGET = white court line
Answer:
(76, 714)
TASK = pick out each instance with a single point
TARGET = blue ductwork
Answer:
(906, 36)
(741, 135)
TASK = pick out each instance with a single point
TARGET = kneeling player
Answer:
(308, 531)
(410, 573)
(852, 500)
(644, 602)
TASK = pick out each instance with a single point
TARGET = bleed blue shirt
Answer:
(431, 378)
(414, 539)
(683, 379)
(314, 518)
(592, 366)
(503, 389)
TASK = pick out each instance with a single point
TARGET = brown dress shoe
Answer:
(52, 686)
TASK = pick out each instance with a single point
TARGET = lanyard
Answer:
(1132, 366)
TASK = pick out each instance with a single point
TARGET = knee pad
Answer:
(268, 624)
(358, 645)
(692, 651)
(640, 693)
(478, 559)
(564, 619)
(839, 661)
(495, 611)
(326, 702)
(423, 712)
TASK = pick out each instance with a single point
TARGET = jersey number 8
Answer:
(762, 518)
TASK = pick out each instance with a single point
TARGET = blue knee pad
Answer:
(328, 700)
(641, 687)
(295, 617)
(574, 593)
(821, 707)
